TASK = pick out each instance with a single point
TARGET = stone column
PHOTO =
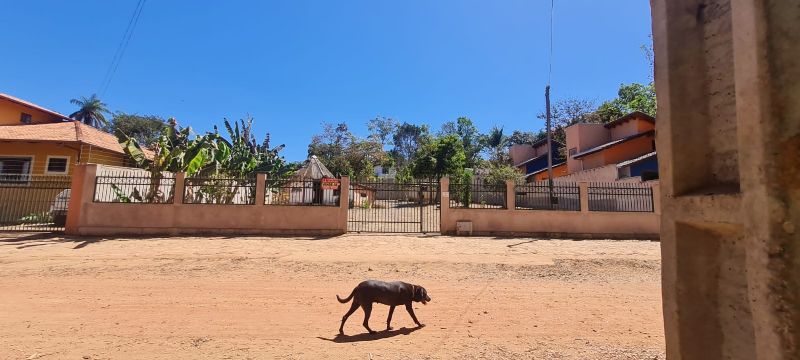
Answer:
(511, 199)
(261, 184)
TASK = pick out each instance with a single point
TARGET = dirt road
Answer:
(266, 298)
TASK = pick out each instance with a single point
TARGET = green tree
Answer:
(499, 173)
(346, 154)
(496, 144)
(440, 157)
(630, 97)
(144, 128)
(91, 112)
(406, 140)
(519, 137)
(381, 129)
(470, 138)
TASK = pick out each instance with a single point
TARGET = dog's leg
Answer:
(389, 320)
(367, 311)
(411, 312)
(353, 308)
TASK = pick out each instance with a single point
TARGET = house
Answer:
(531, 159)
(362, 195)
(15, 111)
(594, 145)
(308, 184)
(37, 141)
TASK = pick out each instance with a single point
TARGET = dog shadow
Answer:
(370, 337)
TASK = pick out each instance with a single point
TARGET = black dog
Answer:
(387, 293)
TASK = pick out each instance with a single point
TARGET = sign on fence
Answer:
(330, 184)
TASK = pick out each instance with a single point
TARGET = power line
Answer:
(123, 45)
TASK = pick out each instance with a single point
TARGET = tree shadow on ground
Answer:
(41, 239)
(370, 337)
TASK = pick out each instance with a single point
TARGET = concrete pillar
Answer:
(261, 188)
(444, 206)
(511, 191)
(178, 191)
(728, 132)
(81, 192)
(583, 191)
(344, 202)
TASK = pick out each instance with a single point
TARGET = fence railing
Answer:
(302, 192)
(220, 191)
(135, 189)
(540, 196)
(33, 202)
(620, 197)
(477, 194)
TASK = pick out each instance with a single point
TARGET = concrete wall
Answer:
(601, 174)
(85, 217)
(521, 152)
(11, 112)
(583, 137)
(728, 84)
(582, 224)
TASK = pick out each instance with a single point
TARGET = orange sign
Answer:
(330, 184)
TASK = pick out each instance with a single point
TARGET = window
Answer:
(573, 151)
(25, 118)
(15, 169)
(57, 164)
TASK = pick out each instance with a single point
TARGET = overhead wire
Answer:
(123, 45)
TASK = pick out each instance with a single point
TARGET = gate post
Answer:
(344, 202)
(511, 191)
(583, 195)
(81, 192)
(444, 205)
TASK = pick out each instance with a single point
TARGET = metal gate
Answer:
(388, 206)
(33, 202)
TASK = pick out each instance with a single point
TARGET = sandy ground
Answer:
(268, 298)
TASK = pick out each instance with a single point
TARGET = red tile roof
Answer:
(71, 131)
(631, 116)
(32, 105)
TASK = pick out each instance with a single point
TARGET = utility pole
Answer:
(549, 144)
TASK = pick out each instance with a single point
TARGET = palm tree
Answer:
(496, 141)
(91, 111)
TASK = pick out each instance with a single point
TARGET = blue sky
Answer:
(295, 64)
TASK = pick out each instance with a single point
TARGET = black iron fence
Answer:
(302, 192)
(220, 190)
(391, 206)
(541, 196)
(477, 194)
(620, 197)
(133, 189)
(34, 202)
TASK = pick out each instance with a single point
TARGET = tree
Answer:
(519, 137)
(381, 129)
(465, 130)
(570, 111)
(499, 173)
(91, 111)
(442, 156)
(144, 128)
(496, 143)
(630, 97)
(345, 154)
(241, 155)
(406, 140)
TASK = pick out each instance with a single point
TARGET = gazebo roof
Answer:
(313, 169)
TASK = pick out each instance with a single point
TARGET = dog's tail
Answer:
(347, 299)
